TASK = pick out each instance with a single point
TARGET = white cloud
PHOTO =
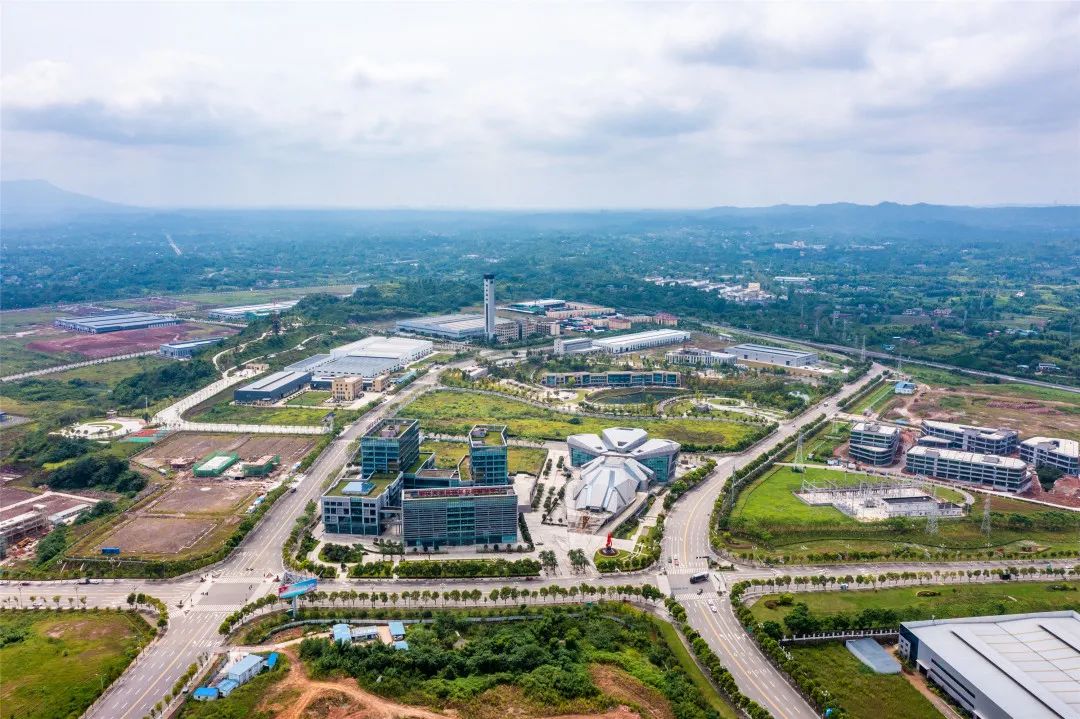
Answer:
(618, 104)
(364, 73)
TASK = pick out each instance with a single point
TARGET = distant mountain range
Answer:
(39, 201)
(36, 202)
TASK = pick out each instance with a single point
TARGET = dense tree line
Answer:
(427, 568)
(172, 380)
(97, 471)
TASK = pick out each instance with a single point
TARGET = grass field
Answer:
(94, 395)
(309, 399)
(875, 400)
(244, 414)
(769, 515)
(59, 665)
(955, 600)
(717, 702)
(855, 687)
(456, 412)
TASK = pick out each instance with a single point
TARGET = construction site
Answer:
(876, 500)
(206, 484)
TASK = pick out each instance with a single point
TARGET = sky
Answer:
(543, 105)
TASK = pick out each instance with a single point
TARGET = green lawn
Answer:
(769, 515)
(58, 666)
(457, 412)
(856, 688)
(245, 414)
(309, 399)
(717, 702)
(246, 297)
(955, 600)
(875, 399)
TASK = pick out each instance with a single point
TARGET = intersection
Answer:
(198, 602)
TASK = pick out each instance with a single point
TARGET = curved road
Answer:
(248, 573)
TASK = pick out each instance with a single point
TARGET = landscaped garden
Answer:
(770, 523)
(456, 412)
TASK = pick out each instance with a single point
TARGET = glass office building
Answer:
(458, 516)
(361, 506)
(392, 445)
(488, 463)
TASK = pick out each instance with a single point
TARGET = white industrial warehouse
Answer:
(1002, 667)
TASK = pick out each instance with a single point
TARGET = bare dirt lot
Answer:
(195, 445)
(1031, 416)
(117, 343)
(212, 496)
(11, 495)
(49, 502)
(145, 536)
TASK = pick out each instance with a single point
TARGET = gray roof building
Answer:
(1002, 667)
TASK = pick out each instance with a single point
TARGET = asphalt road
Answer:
(199, 602)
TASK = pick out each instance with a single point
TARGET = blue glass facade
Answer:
(393, 445)
(613, 379)
(488, 462)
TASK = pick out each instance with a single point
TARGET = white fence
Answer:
(75, 365)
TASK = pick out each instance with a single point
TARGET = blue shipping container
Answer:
(110, 550)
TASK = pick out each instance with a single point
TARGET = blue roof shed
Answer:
(342, 633)
(401, 645)
(271, 661)
(247, 667)
(205, 694)
(226, 687)
(397, 630)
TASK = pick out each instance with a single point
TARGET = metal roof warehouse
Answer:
(115, 322)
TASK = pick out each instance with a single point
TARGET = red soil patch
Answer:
(126, 342)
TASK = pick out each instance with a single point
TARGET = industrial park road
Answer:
(687, 550)
(199, 602)
(247, 574)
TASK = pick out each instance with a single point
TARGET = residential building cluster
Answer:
(751, 292)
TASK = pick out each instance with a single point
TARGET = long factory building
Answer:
(780, 356)
(1001, 667)
(368, 359)
(115, 321)
(460, 327)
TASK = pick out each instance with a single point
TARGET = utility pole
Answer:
(986, 519)
(931, 519)
(862, 349)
